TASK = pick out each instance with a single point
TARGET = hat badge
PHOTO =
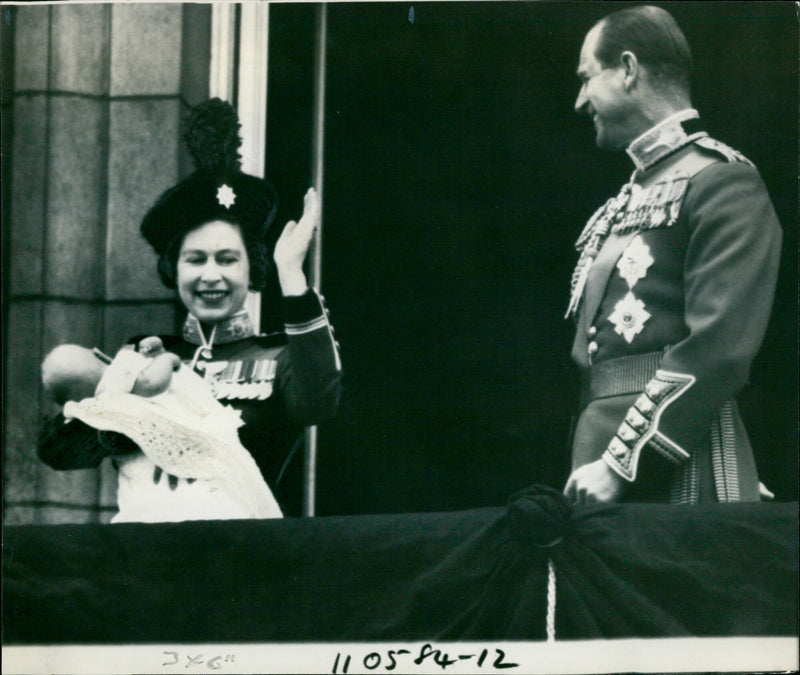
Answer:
(226, 196)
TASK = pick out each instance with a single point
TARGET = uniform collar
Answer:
(665, 138)
(236, 327)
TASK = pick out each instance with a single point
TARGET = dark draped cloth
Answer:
(628, 570)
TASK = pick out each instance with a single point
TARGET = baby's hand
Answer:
(156, 377)
(150, 346)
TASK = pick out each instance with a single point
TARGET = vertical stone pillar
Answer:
(97, 103)
(73, 268)
(56, 266)
(23, 275)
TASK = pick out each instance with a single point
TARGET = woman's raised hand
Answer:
(293, 244)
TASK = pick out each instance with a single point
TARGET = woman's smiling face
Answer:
(213, 271)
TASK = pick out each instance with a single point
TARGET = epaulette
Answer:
(725, 151)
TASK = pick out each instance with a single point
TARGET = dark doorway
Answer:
(457, 178)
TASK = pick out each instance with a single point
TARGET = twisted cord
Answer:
(551, 601)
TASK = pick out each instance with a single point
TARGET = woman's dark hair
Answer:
(654, 36)
(257, 255)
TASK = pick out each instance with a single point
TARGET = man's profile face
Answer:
(603, 97)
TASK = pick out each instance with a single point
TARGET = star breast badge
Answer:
(635, 261)
(226, 196)
(629, 317)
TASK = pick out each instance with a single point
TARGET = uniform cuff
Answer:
(640, 427)
(304, 313)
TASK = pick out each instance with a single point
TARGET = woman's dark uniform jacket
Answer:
(672, 313)
(298, 371)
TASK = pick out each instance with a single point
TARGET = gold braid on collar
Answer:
(232, 329)
(664, 139)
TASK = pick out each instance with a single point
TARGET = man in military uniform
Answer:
(673, 286)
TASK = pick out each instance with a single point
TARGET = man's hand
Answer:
(293, 244)
(595, 483)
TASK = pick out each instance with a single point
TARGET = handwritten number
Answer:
(393, 662)
(194, 660)
(372, 661)
(498, 662)
(439, 658)
(442, 659)
(345, 666)
(214, 663)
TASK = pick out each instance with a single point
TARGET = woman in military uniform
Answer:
(209, 233)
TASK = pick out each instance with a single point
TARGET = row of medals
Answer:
(248, 379)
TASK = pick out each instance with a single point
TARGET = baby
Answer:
(73, 373)
(182, 430)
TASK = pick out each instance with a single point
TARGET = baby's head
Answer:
(71, 373)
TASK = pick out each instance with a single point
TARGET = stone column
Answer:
(98, 99)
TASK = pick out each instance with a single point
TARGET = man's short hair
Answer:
(653, 35)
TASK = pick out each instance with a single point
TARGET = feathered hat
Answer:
(217, 190)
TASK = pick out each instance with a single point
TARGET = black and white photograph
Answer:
(425, 337)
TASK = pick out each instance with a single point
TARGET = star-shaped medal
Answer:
(635, 261)
(629, 317)
(226, 196)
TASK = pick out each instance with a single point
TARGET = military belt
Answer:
(623, 375)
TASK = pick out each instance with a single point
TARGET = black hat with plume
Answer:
(217, 190)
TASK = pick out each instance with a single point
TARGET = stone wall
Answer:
(97, 93)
